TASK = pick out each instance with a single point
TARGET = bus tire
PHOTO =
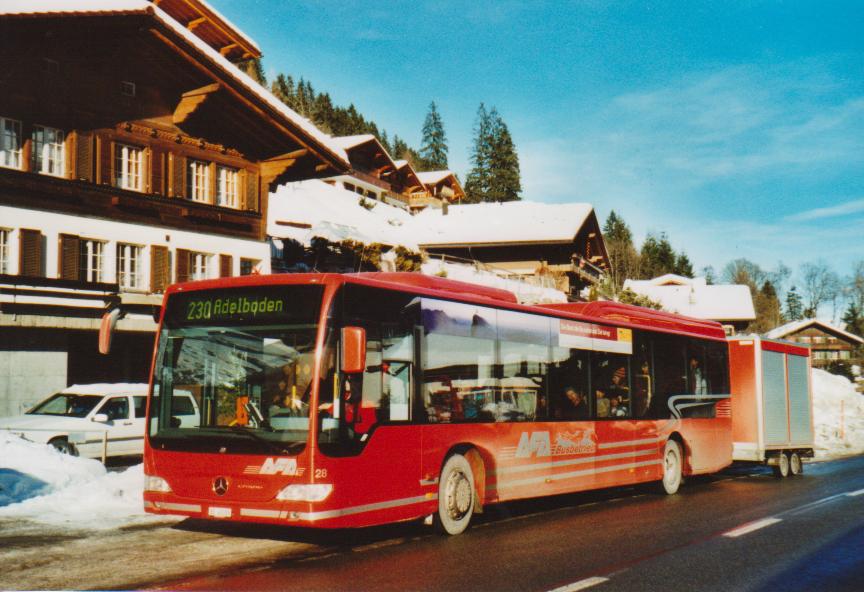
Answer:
(455, 496)
(63, 445)
(781, 469)
(795, 465)
(672, 468)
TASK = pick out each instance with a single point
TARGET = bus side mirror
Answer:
(353, 350)
(106, 330)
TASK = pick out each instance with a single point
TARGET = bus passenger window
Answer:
(569, 372)
(611, 384)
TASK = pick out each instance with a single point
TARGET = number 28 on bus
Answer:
(339, 401)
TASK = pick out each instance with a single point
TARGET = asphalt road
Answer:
(736, 531)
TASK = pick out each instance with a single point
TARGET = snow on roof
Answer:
(348, 142)
(515, 221)
(695, 298)
(525, 293)
(39, 7)
(432, 177)
(400, 163)
(795, 326)
(228, 23)
(335, 214)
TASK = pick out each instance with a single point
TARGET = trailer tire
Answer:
(781, 469)
(455, 496)
(796, 467)
(672, 468)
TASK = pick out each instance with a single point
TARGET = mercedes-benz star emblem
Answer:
(220, 485)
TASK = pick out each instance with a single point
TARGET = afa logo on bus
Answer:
(542, 444)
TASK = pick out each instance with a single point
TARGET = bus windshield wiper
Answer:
(250, 433)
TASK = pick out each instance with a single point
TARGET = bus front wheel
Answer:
(455, 496)
(671, 468)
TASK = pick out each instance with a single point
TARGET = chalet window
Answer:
(49, 153)
(247, 266)
(30, 260)
(199, 266)
(198, 180)
(92, 260)
(10, 143)
(128, 167)
(160, 268)
(4, 250)
(227, 191)
(129, 266)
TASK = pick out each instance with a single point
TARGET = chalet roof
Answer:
(693, 297)
(211, 26)
(796, 326)
(433, 177)
(348, 142)
(308, 209)
(41, 8)
(500, 223)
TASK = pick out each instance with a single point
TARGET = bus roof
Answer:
(613, 313)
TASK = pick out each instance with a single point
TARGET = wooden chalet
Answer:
(828, 344)
(443, 185)
(133, 154)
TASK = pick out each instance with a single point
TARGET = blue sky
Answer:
(735, 127)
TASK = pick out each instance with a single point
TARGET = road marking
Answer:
(581, 584)
(748, 528)
(856, 493)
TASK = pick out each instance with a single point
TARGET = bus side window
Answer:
(670, 372)
(610, 384)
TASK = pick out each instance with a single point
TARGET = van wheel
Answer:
(796, 467)
(455, 496)
(671, 468)
(781, 469)
(64, 446)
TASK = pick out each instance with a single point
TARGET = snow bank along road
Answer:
(737, 530)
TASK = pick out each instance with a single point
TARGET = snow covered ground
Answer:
(39, 484)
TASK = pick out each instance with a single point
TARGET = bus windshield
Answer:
(246, 356)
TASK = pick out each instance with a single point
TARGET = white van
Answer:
(76, 419)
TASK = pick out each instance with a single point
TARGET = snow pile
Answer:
(39, 483)
(838, 415)
(526, 293)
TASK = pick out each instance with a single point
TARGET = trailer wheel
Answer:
(671, 468)
(796, 467)
(455, 496)
(64, 446)
(781, 469)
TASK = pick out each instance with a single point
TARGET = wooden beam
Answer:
(321, 168)
(192, 100)
(225, 50)
(195, 23)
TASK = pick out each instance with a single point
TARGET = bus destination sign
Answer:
(243, 305)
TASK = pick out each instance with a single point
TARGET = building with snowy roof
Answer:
(134, 154)
(827, 343)
(729, 304)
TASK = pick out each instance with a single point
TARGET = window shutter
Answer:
(157, 171)
(183, 257)
(84, 160)
(178, 171)
(160, 272)
(105, 147)
(226, 264)
(70, 248)
(30, 253)
(251, 191)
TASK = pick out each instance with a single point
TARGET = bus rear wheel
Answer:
(455, 496)
(781, 469)
(672, 475)
(795, 465)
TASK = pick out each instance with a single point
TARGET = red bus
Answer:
(337, 401)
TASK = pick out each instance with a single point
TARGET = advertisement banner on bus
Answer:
(595, 337)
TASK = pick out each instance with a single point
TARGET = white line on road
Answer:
(856, 493)
(748, 528)
(581, 584)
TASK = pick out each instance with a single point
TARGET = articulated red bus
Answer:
(332, 400)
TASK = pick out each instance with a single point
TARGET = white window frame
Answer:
(10, 143)
(130, 263)
(129, 167)
(92, 259)
(199, 266)
(5, 250)
(227, 187)
(198, 175)
(49, 151)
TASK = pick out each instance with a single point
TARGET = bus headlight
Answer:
(316, 492)
(154, 483)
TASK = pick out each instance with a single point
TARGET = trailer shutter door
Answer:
(774, 398)
(799, 401)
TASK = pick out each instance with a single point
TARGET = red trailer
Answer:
(772, 405)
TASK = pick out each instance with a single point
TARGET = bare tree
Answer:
(820, 285)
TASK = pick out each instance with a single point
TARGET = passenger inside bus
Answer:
(642, 392)
(602, 403)
(574, 405)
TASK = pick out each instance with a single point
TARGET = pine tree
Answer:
(385, 141)
(478, 180)
(657, 257)
(854, 319)
(433, 147)
(283, 89)
(254, 70)
(767, 307)
(794, 305)
(683, 267)
(400, 148)
(623, 258)
(505, 183)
